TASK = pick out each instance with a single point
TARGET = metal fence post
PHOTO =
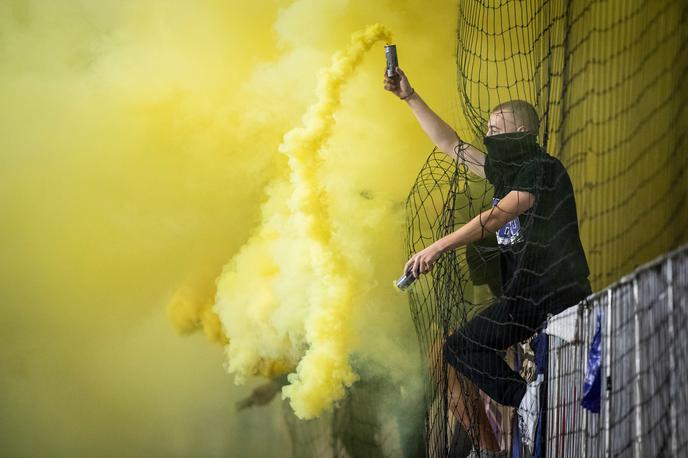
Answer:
(608, 375)
(637, 446)
(673, 425)
(585, 344)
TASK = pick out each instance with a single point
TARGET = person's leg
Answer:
(464, 400)
(466, 405)
(473, 349)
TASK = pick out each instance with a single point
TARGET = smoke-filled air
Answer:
(199, 198)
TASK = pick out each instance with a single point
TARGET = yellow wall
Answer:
(609, 77)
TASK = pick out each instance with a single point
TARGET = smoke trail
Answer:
(288, 297)
(137, 139)
(191, 307)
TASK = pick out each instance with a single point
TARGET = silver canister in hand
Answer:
(392, 62)
(405, 281)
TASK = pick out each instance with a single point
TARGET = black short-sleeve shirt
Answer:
(540, 250)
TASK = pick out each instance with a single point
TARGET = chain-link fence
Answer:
(644, 369)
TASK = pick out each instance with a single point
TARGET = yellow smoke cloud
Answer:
(289, 295)
(137, 141)
(191, 307)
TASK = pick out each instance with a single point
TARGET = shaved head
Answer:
(513, 116)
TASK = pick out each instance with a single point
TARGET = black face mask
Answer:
(507, 153)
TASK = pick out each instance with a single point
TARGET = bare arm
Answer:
(446, 138)
(489, 221)
(439, 132)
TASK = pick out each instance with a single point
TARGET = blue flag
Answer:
(592, 384)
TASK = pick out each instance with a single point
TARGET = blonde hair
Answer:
(524, 113)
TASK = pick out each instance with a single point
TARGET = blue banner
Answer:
(592, 384)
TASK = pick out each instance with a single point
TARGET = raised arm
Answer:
(439, 132)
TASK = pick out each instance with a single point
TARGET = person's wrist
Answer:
(408, 96)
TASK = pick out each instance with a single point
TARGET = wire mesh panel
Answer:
(645, 390)
(678, 307)
(623, 371)
(654, 340)
(571, 430)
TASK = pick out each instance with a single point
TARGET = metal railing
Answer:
(644, 395)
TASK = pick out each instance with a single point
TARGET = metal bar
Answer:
(637, 446)
(585, 345)
(607, 374)
(673, 385)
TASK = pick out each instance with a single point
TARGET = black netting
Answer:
(375, 420)
(604, 168)
(600, 163)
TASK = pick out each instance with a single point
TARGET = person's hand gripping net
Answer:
(398, 84)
